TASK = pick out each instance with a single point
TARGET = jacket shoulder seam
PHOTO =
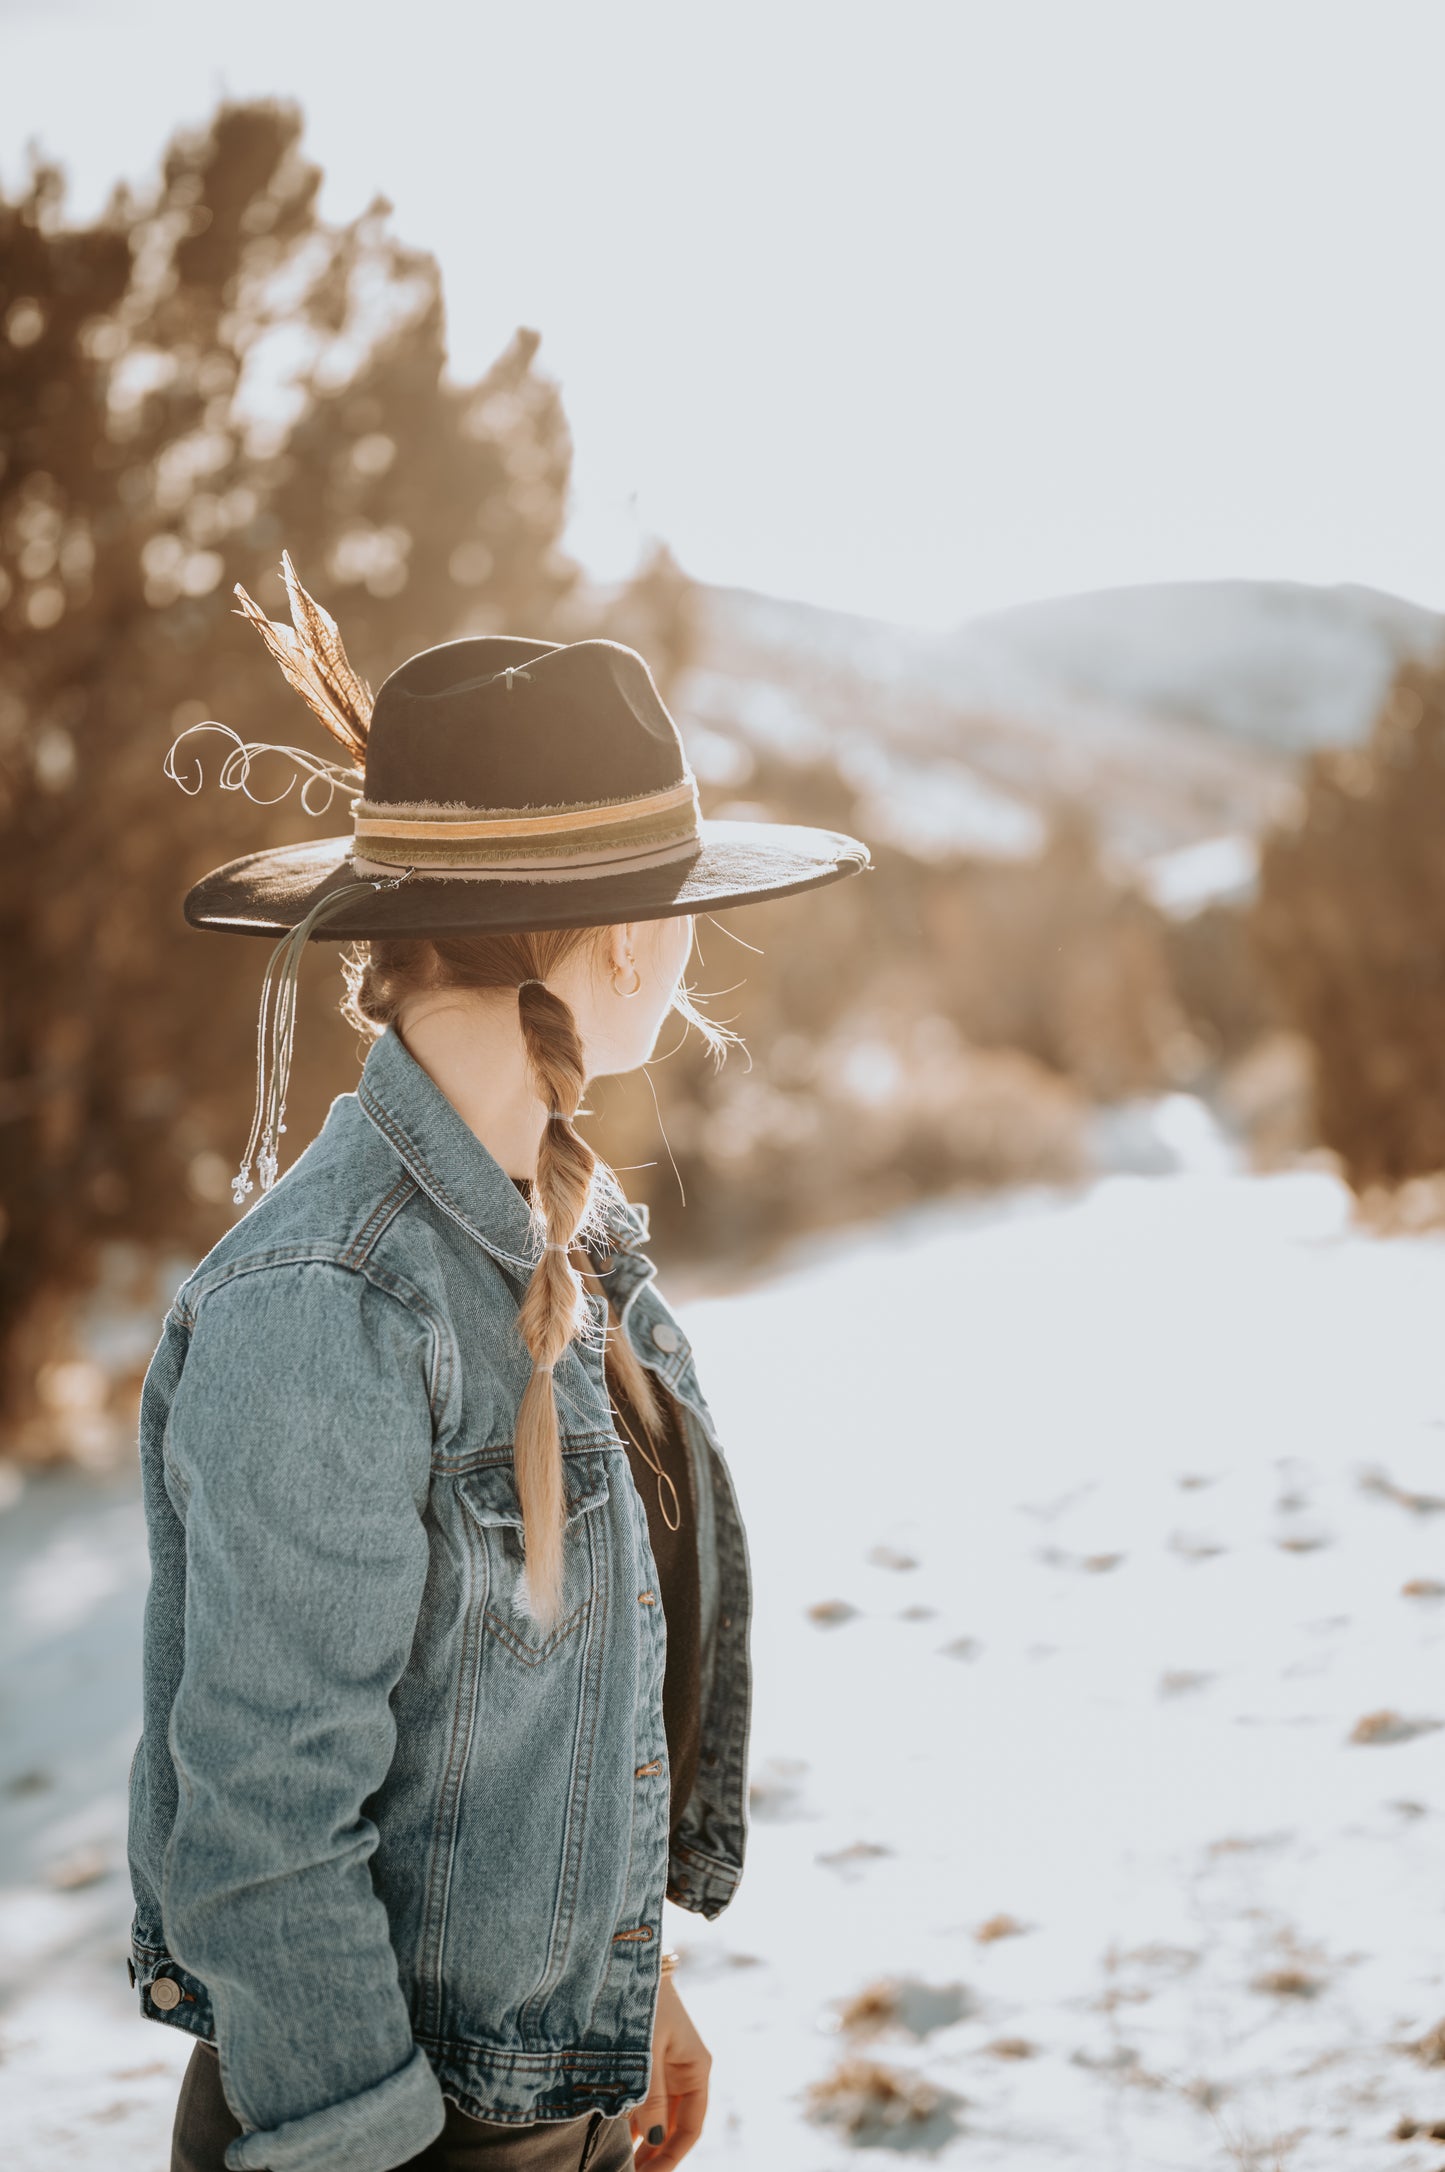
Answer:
(366, 1269)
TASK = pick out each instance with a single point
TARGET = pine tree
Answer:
(1351, 927)
(190, 383)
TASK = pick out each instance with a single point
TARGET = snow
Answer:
(1163, 1452)
(1216, 871)
(1284, 662)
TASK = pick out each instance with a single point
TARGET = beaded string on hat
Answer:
(276, 1034)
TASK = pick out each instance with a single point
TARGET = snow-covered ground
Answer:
(1107, 1504)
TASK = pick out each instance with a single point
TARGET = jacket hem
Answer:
(515, 2088)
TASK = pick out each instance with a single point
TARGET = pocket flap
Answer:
(491, 1492)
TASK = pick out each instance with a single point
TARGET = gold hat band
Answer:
(449, 838)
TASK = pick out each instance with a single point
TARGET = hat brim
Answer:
(738, 863)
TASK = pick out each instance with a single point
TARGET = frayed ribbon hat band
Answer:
(527, 840)
(530, 844)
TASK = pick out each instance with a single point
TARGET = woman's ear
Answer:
(621, 942)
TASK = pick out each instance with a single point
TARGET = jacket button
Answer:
(666, 1337)
(165, 1993)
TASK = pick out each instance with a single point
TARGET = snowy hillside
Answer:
(1175, 712)
(1096, 1752)
(1275, 663)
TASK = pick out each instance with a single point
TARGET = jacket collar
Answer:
(454, 1169)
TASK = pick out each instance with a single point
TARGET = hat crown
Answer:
(498, 721)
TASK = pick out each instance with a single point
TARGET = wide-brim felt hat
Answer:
(500, 783)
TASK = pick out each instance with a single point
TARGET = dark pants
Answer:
(204, 2126)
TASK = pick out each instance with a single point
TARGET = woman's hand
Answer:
(677, 2095)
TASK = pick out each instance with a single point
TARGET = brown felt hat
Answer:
(501, 783)
(495, 783)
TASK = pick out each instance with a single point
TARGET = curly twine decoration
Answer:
(323, 779)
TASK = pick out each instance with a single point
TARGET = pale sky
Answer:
(912, 309)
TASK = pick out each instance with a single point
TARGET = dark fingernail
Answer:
(654, 2135)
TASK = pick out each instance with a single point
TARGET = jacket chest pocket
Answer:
(489, 1500)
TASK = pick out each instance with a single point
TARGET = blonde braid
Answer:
(624, 1368)
(553, 1308)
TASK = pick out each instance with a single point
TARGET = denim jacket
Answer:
(387, 1843)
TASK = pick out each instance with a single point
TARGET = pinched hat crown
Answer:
(501, 755)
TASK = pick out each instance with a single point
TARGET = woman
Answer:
(446, 1668)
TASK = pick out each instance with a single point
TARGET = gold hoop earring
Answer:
(636, 987)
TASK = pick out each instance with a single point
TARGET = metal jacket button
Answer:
(666, 1336)
(165, 1993)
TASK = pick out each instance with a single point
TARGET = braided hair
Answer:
(380, 976)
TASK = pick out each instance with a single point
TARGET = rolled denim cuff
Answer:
(381, 2128)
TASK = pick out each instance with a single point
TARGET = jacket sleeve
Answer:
(299, 1444)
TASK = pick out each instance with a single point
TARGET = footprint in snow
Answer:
(852, 1859)
(891, 1557)
(905, 2003)
(1419, 1504)
(829, 1613)
(1386, 1727)
(1055, 1557)
(1195, 1545)
(1000, 1926)
(1288, 1983)
(883, 2107)
(776, 1795)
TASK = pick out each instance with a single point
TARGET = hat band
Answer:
(447, 838)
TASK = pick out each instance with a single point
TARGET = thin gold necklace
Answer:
(673, 1522)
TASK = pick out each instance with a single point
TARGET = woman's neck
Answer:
(470, 1046)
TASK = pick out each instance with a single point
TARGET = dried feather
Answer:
(313, 660)
(318, 630)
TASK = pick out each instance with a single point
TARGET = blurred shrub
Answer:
(1351, 926)
(1266, 1096)
(189, 384)
(1058, 956)
(1220, 983)
(927, 1025)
